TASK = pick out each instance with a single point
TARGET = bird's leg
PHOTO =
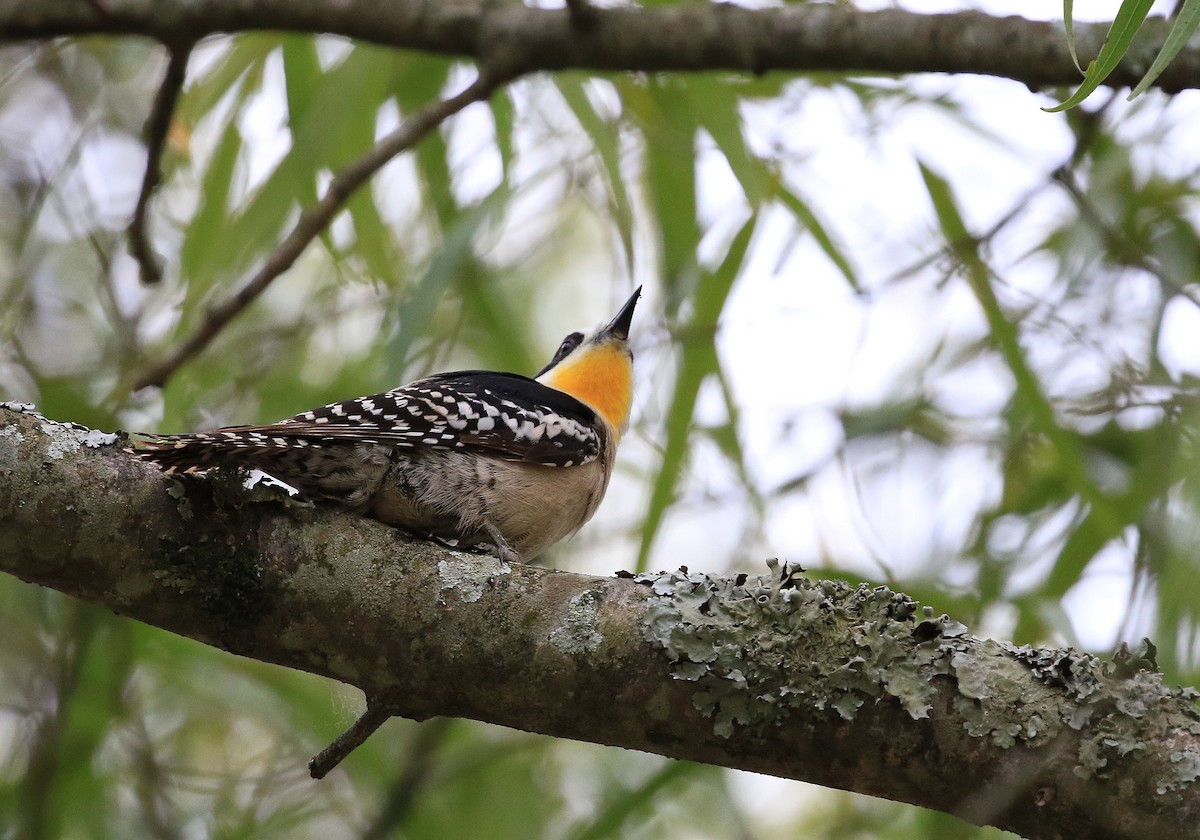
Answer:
(503, 550)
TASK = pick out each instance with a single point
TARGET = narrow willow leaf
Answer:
(812, 223)
(698, 359)
(447, 263)
(1069, 23)
(1104, 515)
(606, 140)
(1181, 32)
(1120, 35)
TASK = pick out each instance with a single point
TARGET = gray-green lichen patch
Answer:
(67, 438)
(578, 631)
(762, 647)
(470, 575)
(997, 700)
(1126, 705)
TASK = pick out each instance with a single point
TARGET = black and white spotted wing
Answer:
(503, 415)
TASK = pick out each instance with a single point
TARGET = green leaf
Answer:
(504, 118)
(1029, 397)
(373, 240)
(668, 124)
(809, 219)
(301, 75)
(1181, 32)
(616, 815)
(240, 69)
(418, 80)
(1069, 23)
(606, 139)
(716, 107)
(205, 241)
(332, 121)
(1120, 35)
(697, 361)
(429, 290)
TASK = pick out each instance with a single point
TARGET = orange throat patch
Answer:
(601, 377)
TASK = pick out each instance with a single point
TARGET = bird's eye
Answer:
(569, 344)
(565, 349)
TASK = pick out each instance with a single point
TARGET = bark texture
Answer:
(855, 688)
(511, 38)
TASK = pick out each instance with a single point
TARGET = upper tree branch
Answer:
(691, 37)
(819, 681)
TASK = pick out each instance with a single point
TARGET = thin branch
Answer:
(375, 716)
(313, 220)
(158, 125)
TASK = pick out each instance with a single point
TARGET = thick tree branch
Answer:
(687, 37)
(849, 688)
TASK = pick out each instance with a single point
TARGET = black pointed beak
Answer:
(619, 326)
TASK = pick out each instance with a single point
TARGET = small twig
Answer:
(158, 125)
(374, 717)
(313, 220)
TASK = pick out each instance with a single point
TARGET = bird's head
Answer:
(597, 367)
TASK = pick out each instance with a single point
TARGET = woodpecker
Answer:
(481, 457)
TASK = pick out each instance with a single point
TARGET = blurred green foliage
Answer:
(1043, 427)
